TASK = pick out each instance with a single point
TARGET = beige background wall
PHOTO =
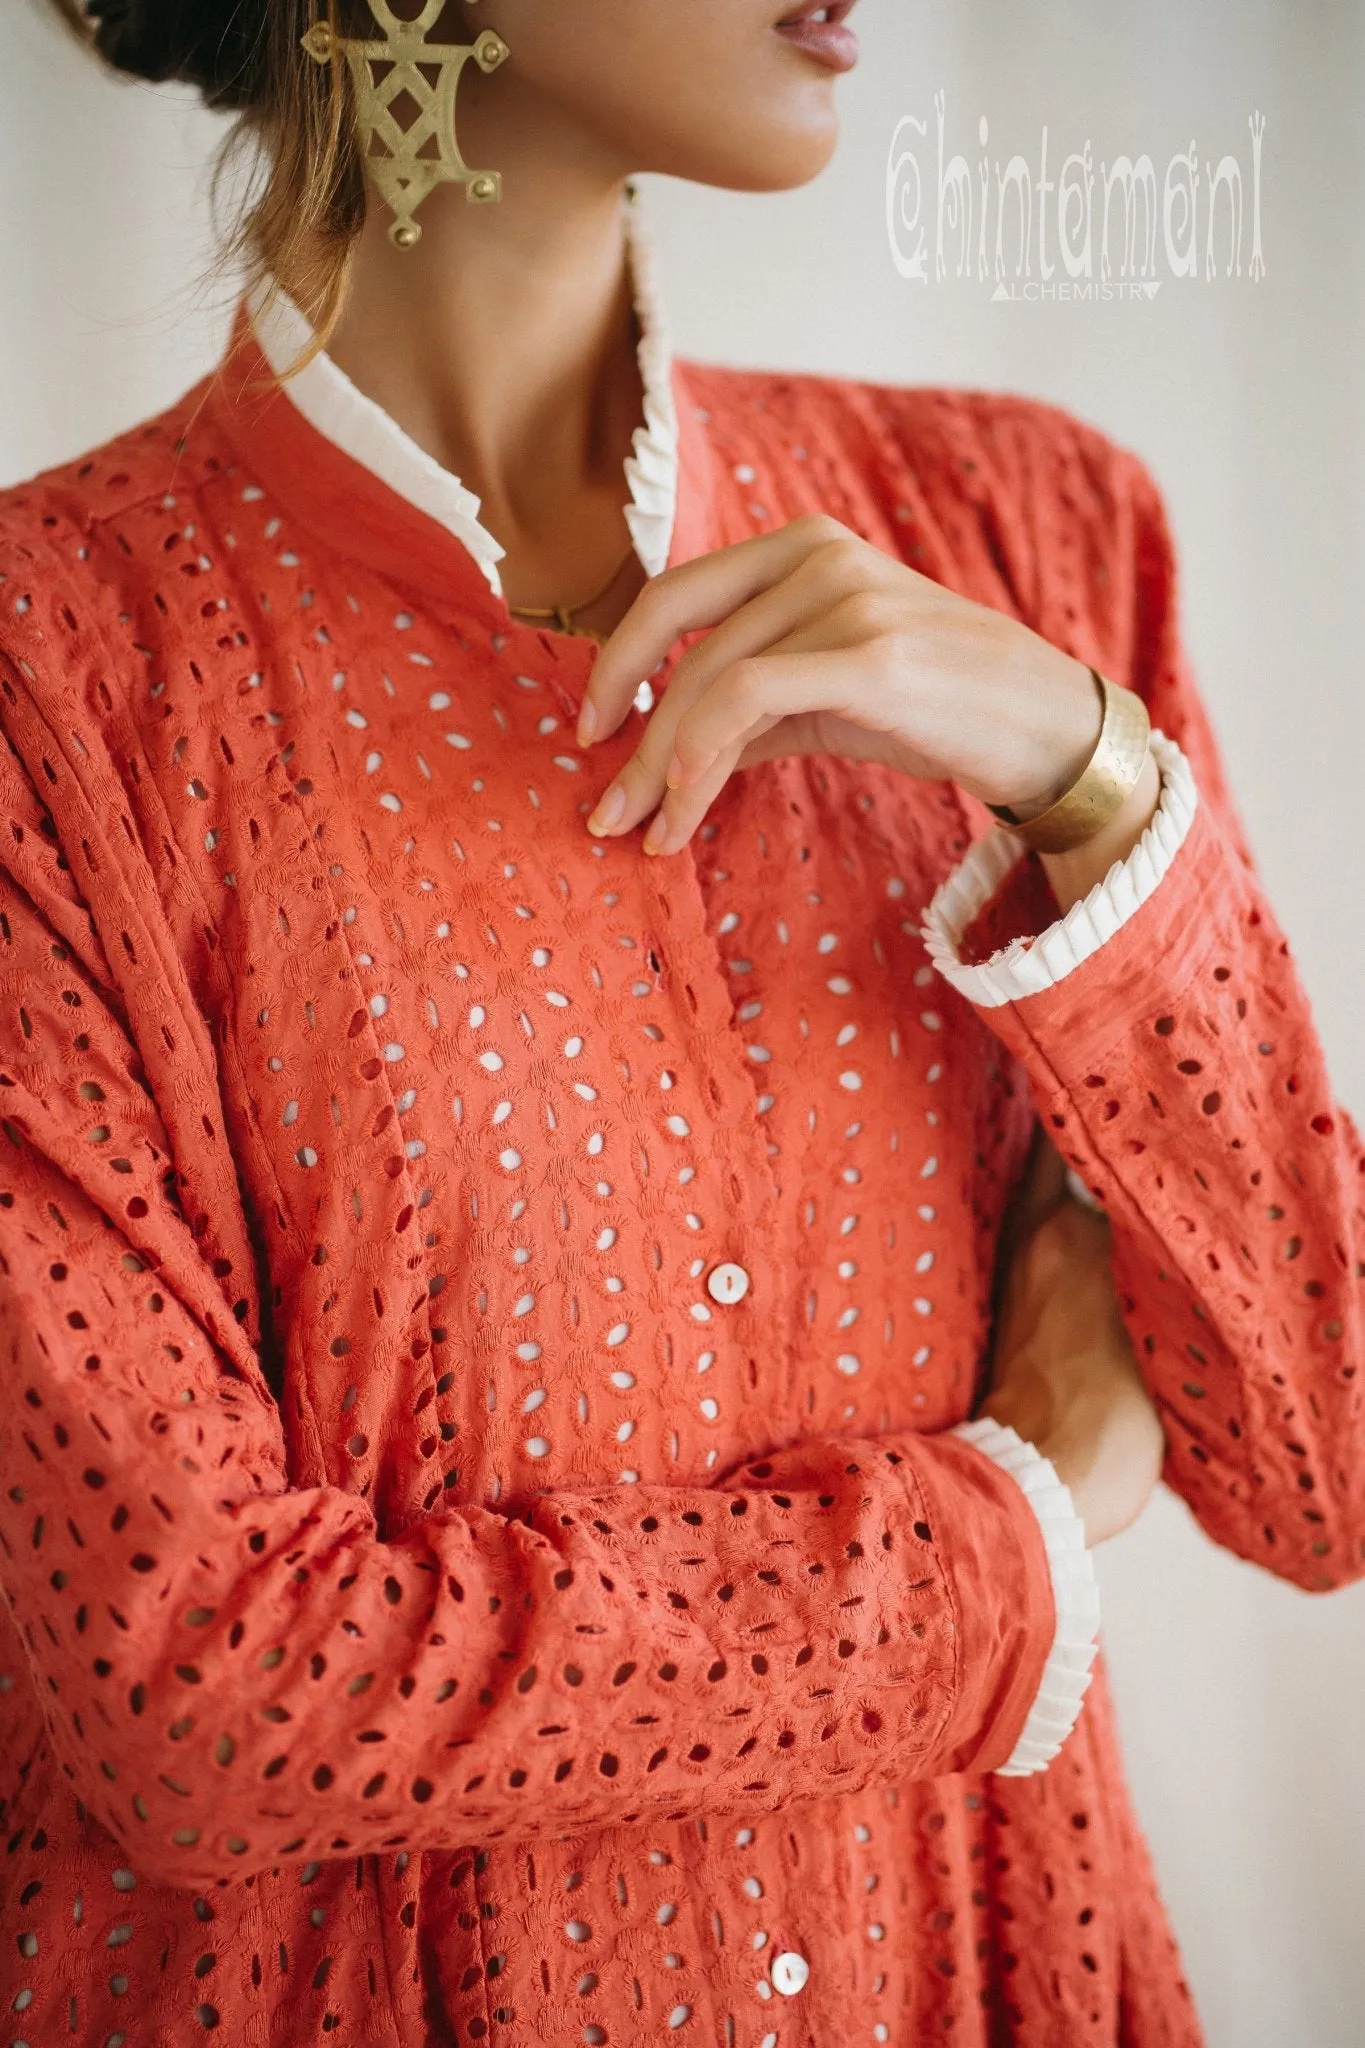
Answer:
(1240, 1699)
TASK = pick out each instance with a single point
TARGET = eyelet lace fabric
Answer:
(447, 1603)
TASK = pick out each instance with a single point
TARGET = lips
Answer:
(818, 30)
(834, 10)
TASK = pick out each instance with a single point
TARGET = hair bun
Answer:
(216, 45)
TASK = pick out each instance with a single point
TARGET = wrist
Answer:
(1076, 722)
(1068, 1447)
(1073, 875)
(1059, 722)
(1097, 807)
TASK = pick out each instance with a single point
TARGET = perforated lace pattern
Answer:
(436, 1617)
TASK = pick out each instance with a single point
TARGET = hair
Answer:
(303, 215)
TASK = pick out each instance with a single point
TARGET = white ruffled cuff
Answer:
(1028, 965)
(1075, 1593)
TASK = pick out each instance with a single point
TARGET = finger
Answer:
(679, 814)
(742, 705)
(760, 626)
(635, 789)
(638, 784)
(688, 598)
(826, 600)
(814, 669)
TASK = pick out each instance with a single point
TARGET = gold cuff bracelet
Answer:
(1104, 784)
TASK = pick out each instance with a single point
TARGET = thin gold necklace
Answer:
(564, 616)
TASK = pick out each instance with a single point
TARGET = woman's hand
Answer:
(1064, 1375)
(824, 644)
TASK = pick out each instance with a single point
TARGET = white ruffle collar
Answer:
(332, 404)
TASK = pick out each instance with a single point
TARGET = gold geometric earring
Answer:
(407, 171)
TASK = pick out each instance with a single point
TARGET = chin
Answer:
(782, 168)
(749, 156)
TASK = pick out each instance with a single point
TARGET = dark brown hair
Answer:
(307, 208)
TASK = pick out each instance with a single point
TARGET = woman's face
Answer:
(735, 93)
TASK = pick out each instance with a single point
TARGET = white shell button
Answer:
(789, 1973)
(727, 1283)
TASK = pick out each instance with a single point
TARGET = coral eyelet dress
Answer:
(485, 1314)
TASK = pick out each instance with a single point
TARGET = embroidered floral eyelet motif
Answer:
(436, 1611)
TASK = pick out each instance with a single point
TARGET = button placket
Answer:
(738, 1168)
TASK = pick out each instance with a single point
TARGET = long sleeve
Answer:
(237, 1671)
(1174, 1059)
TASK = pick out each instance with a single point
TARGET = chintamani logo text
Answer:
(1067, 228)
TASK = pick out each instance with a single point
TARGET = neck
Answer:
(505, 345)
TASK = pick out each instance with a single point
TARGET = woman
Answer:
(496, 1546)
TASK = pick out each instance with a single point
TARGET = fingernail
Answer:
(675, 773)
(657, 833)
(587, 724)
(609, 811)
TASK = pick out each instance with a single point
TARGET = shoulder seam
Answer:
(50, 491)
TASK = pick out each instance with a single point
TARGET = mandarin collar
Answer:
(323, 395)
